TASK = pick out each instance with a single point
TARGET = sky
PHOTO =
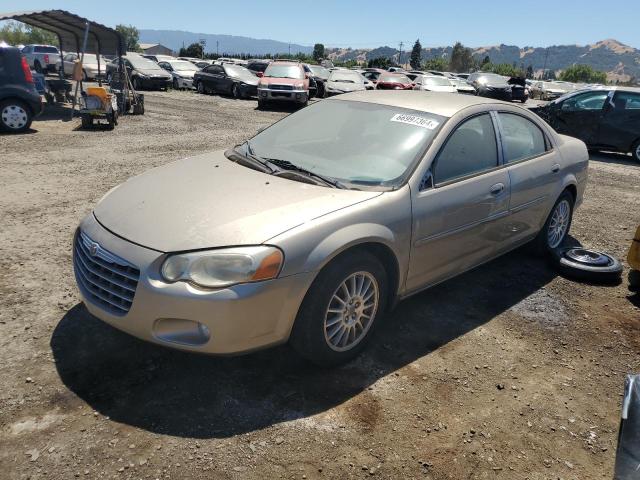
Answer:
(373, 23)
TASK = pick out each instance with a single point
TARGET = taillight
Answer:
(27, 71)
(46, 59)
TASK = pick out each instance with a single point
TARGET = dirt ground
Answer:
(507, 372)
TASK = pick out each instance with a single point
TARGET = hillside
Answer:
(228, 44)
(618, 60)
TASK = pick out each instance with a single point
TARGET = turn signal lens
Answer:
(269, 267)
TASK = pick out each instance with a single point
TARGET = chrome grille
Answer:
(281, 87)
(105, 278)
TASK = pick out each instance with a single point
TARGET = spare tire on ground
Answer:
(589, 265)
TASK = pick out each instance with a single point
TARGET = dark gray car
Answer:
(19, 100)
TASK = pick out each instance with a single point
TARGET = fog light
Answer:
(181, 331)
(264, 94)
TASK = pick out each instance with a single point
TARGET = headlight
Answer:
(224, 267)
(142, 75)
(299, 86)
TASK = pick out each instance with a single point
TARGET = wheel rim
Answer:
(588, 257)
(351, 311)
(235, 91)
(638, 151)
(559, 224)
(14, 117)
(200, 87)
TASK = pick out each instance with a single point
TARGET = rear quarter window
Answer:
(45, 50)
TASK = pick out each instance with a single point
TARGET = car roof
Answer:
(443, 104)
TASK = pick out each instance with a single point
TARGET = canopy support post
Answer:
(78, 83)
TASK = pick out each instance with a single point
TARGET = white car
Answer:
(42, 58)
(432, 83)
(89, 65)
(343, 81)
(182, 72)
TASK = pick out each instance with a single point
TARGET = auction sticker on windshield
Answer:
(415, 120)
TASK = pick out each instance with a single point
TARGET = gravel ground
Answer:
(509, 371)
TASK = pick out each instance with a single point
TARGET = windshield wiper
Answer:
(254, 159)
(286, 165)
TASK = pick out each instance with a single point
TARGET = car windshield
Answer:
(394, 79)
(183, 65)
(346, 76)
(239, 72)
(491, 78)
(437, 81)
(319, 71)
(357, 143)
(284, 71)
(143, 63)
(45, 49)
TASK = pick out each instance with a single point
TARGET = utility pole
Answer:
(400, 54)
(289, 49)
(544, 69)
(218, 48)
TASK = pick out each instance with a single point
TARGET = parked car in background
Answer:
(202, 64)
(283, 81)
(464, 76)
(182, 72)
(20, 102)
(396, 69)
(89, 66)
(388, 194)
(190, 59)
(158, 58)
(462, 86)
(258, 66)
(42, 58)
(144, 73)
(548, 90)
(604, 118)
(490, 85)
(372, 75)
(319, 75)
(431, 83)
(519, 89)
(227, 79)
(394, 81)
(344, 81)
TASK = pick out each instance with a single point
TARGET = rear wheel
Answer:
(200, 88)
(15, 116)
(235, 91)
(87, 121)
(37, 67)
(341, 309)
(635, 152)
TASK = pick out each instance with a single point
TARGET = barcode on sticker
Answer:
(415, 120)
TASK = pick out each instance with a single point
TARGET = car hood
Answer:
(249, 81)
(497, 85)
(186, 73)
(280, 81)
(440, 88)
(208, 201)
(153, 72)
(346, 87)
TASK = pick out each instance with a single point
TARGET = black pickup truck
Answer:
(19, 100)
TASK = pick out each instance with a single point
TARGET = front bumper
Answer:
(248, 90)
(184, 82)
(297, 96)
(231, 320)
(498, 94)
(151, 82)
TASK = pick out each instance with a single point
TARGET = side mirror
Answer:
(306, 75)
(427, 181)
(259, 74)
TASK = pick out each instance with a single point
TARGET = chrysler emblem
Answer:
(93, 249)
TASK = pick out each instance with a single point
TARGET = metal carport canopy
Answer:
(70, 29)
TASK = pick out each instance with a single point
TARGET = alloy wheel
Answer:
(637, 152)
(351, 311)
(559, 224)
(14, 117)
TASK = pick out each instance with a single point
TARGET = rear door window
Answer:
(586, 101)
(42, 49)
(627, 101)
(521, 138)
(471, 149)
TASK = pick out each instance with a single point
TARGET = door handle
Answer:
(555, 168)
(497, 188)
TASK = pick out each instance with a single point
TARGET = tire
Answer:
(235, 91)
(112, 121)
(634, 281)
(15, 116)
(547, 242)
(326, 345)
(37, 67)
(635, 151)
(320, 93)
(200, 88)
(261, 104)
(85, 78)
(136, 84)
(87, 121)
(588, 265)
(176, 86)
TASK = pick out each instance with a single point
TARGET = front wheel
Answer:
(341, 309)
(556, 228)
(235, 91)
(200, 88)
(176, 85)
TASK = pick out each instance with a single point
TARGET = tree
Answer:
(416, 54)
(583, 74)
(318, 52)
(195, 50)
(437, 64)
(461, 58)
(379, 62)
(530, 71)
(17, 33)
(131, 37)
